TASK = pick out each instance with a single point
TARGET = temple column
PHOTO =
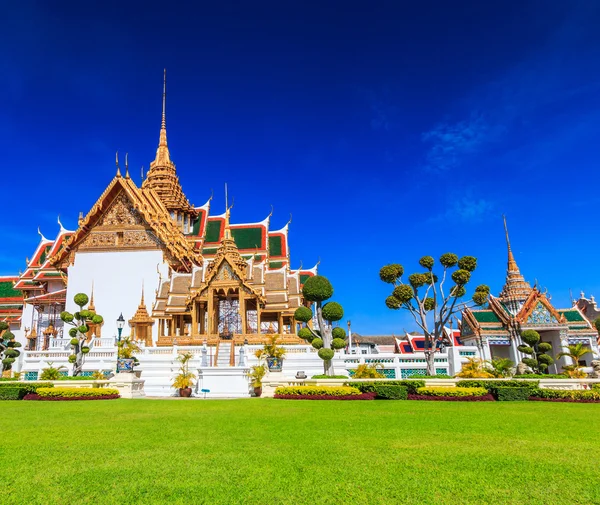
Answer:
(242, 299)
(194, 330)
(211, 309)
(258, 314)
(280, 322)
(202, 309)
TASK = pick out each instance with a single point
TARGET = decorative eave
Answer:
(470, 320)
(497, 308)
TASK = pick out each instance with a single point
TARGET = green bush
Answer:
(28, 386)
(303, 314)
(573, 394)
(306, 334)
(12, 393)
(326, 354)
(369, 387)
(439, 376)
(387, 392)
(492, 385)
(75, 392)
(338, 332)
(322, 376)
(451, 391)
(513, 394)
(317, 343)
(317, 391)
(333, 311)
(541, 376)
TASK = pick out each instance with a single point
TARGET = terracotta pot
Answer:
(185, 392)
(258, 391)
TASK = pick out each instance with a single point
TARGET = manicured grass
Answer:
(298, 452)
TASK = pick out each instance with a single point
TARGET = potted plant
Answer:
(273, 353)
(257, 373)
(125, 358)
(184, 379)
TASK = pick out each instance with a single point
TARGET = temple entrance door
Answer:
(230, 321)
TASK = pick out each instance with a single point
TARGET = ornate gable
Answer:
(128, 218)
(537, 310)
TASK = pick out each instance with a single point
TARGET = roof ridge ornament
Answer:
(117, 163)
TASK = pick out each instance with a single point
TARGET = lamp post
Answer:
(349, 337)
(120, 326)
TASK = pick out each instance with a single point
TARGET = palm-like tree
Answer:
(501, 367)
(575, 352)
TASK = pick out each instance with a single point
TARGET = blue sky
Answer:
(390, 130)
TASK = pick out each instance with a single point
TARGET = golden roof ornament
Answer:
(516, 288)
(162, 176)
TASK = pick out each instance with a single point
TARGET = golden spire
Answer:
(227, 231)
(162, 153)
(91, 306)
(142, 303)
(516, 288)
(117, 163)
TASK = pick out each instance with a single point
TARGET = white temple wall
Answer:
(117, 278)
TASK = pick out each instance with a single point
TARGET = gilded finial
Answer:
(117, 163)
(271, 213)
(142, 172)
(44, 239)
(80, 220)
(142, 303)
(289, 221)
(164, 100)
(126, 166)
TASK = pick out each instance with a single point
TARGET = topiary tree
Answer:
(8, 345)
(326, 339)
(537, 351)
(80, 322)
(425, 296)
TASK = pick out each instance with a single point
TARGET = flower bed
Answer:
(561, 395)
(321, 393)
(452, 394)
(360, 396)
(485, 398)
(60, 394)
(370, 387)
(33, 396)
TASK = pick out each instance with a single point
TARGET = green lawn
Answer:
(298, 452)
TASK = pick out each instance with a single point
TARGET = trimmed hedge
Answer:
(322, 376)
(360, 396)
(492, 385)
(391, 392)
(485, 398)
(369, 387)
(33, 396)
(541, 376)
(76, 392)
(28, 386)
(513, 394)
(316, 391)
(14, 393)
(566, 395)
(451, 391)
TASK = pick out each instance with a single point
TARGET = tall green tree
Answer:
(428, 298)
(8, 351)
(80, 321)
(325, 338)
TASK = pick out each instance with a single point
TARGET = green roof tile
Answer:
(485, 316)
(572, 315)
(8, 291)
(248, 238)
(275, 246)
(213, 231)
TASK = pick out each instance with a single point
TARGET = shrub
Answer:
(338, 332)
(361, 396)
(492, 385)
(28, 386)
(317, 343)
(566, 395)
(317, 391)
(323, 376)
(326, 354)
(306, 334)
(303, 314)
(512, 394)
(369, 387)
(387, 392)
(439, 376)
(541, 376)
(12, 393)
(451, 391)
(371, 371)
(75, 392)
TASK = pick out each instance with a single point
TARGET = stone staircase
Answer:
(224, 353)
